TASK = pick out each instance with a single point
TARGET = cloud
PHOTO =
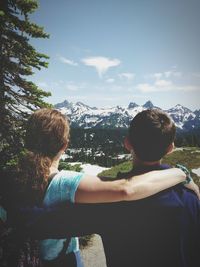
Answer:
(157, 75)
(101, 64)
(172, 73)
(110, 80)
(67, 61)
(127, 75)
(188, 88)
(145, 87)
(162, 83)
(165, 74)
(164, 86)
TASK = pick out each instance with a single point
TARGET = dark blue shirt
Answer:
(162, 230)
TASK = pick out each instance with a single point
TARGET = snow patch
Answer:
(196, 171)
(89, 168)
(92, 169)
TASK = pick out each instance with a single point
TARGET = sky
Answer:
(106, 53)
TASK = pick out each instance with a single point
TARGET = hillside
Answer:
(190, 157)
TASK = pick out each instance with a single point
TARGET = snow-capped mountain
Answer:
(84, 116)
(181, 115)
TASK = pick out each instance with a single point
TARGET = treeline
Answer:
(103, 146)
(191, 138)
(97, 138)
(114, 138)
(96, 146)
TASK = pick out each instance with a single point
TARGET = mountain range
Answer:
(84, 116)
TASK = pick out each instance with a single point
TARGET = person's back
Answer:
(162, 230)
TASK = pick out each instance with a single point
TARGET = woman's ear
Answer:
(127, 144)
(170, 148)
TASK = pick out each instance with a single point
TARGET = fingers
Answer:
(198, 192)
(194, 187)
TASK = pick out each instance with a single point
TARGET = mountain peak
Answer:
(83, 116)
(132, 105)
(178, 106)
(64, 104)
(148, 104)
(80, 104)
(181, 108)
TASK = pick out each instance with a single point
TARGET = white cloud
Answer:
(110, 80)
(162, 83)
(165, 74)
(101, 64)
(187, 88)
(145, 87)
(67, 61)
(177, 74)
(127, 75)
(157, 75)
(164, 86)
(172, 73)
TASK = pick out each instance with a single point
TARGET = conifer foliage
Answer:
(18, 60)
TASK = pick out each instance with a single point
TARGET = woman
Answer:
(47, 139)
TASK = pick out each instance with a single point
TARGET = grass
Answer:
(188, 156)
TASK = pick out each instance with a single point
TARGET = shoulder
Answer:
(70, 176)
(63, 187)
(65, 176)
(67, 179)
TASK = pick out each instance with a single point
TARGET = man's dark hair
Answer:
(150, 133)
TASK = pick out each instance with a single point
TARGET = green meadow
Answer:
(187, 156)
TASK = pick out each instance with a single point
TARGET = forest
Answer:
(105, 147)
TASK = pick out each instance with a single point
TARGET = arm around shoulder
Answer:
(92, 190)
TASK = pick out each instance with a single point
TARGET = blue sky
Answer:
(112, 52)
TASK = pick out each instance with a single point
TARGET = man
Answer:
(162, 230)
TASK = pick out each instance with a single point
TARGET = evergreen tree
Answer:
(18, 59)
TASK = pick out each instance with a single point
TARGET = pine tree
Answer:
(18, 59)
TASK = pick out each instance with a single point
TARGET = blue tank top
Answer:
(61, 189)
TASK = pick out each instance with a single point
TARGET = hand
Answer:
(189, 183)
(194, 187)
